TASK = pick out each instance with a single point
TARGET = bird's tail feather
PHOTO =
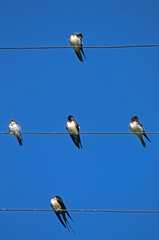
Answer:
(147, 137)
(69, 227)
(67, 223)
(69, 216)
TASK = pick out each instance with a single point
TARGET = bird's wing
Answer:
(144, 133)
(78, 137)
(78, 53)
(142, 140)
(64, 207)
(141, 126)
(77, 126)
(20, 140)
(74, 140)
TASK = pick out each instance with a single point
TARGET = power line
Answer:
(80, 210)
(89, 133)
(63, 47)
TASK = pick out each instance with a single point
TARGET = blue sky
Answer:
(40, 88)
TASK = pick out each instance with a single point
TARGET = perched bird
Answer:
(57, 204)
(15, 130)
(73, 129)
(135, 126)
(76, 41)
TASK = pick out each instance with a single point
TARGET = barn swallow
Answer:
(15, 130)
(73, 128)
(57, 204)
(76, 41)
(136, 126)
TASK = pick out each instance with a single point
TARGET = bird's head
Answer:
(134, 119)
(12, 121)
(70, 118)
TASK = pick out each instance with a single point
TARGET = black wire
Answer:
(89, 133)
(97, 47)
(80, 210)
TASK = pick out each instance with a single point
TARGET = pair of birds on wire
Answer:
(72, 126)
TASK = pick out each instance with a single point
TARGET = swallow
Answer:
(76, 43)
(136, 126)
(15, 130)
(73, 128)
(57, 204)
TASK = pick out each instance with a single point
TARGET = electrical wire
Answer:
(80, 210)
(89, 133)
(97, 47)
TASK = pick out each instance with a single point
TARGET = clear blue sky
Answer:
(40, 88)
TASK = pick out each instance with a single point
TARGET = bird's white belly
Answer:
(56, 206)
(134, 127)
(71, 128)
(74, 41)
(14, 129)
